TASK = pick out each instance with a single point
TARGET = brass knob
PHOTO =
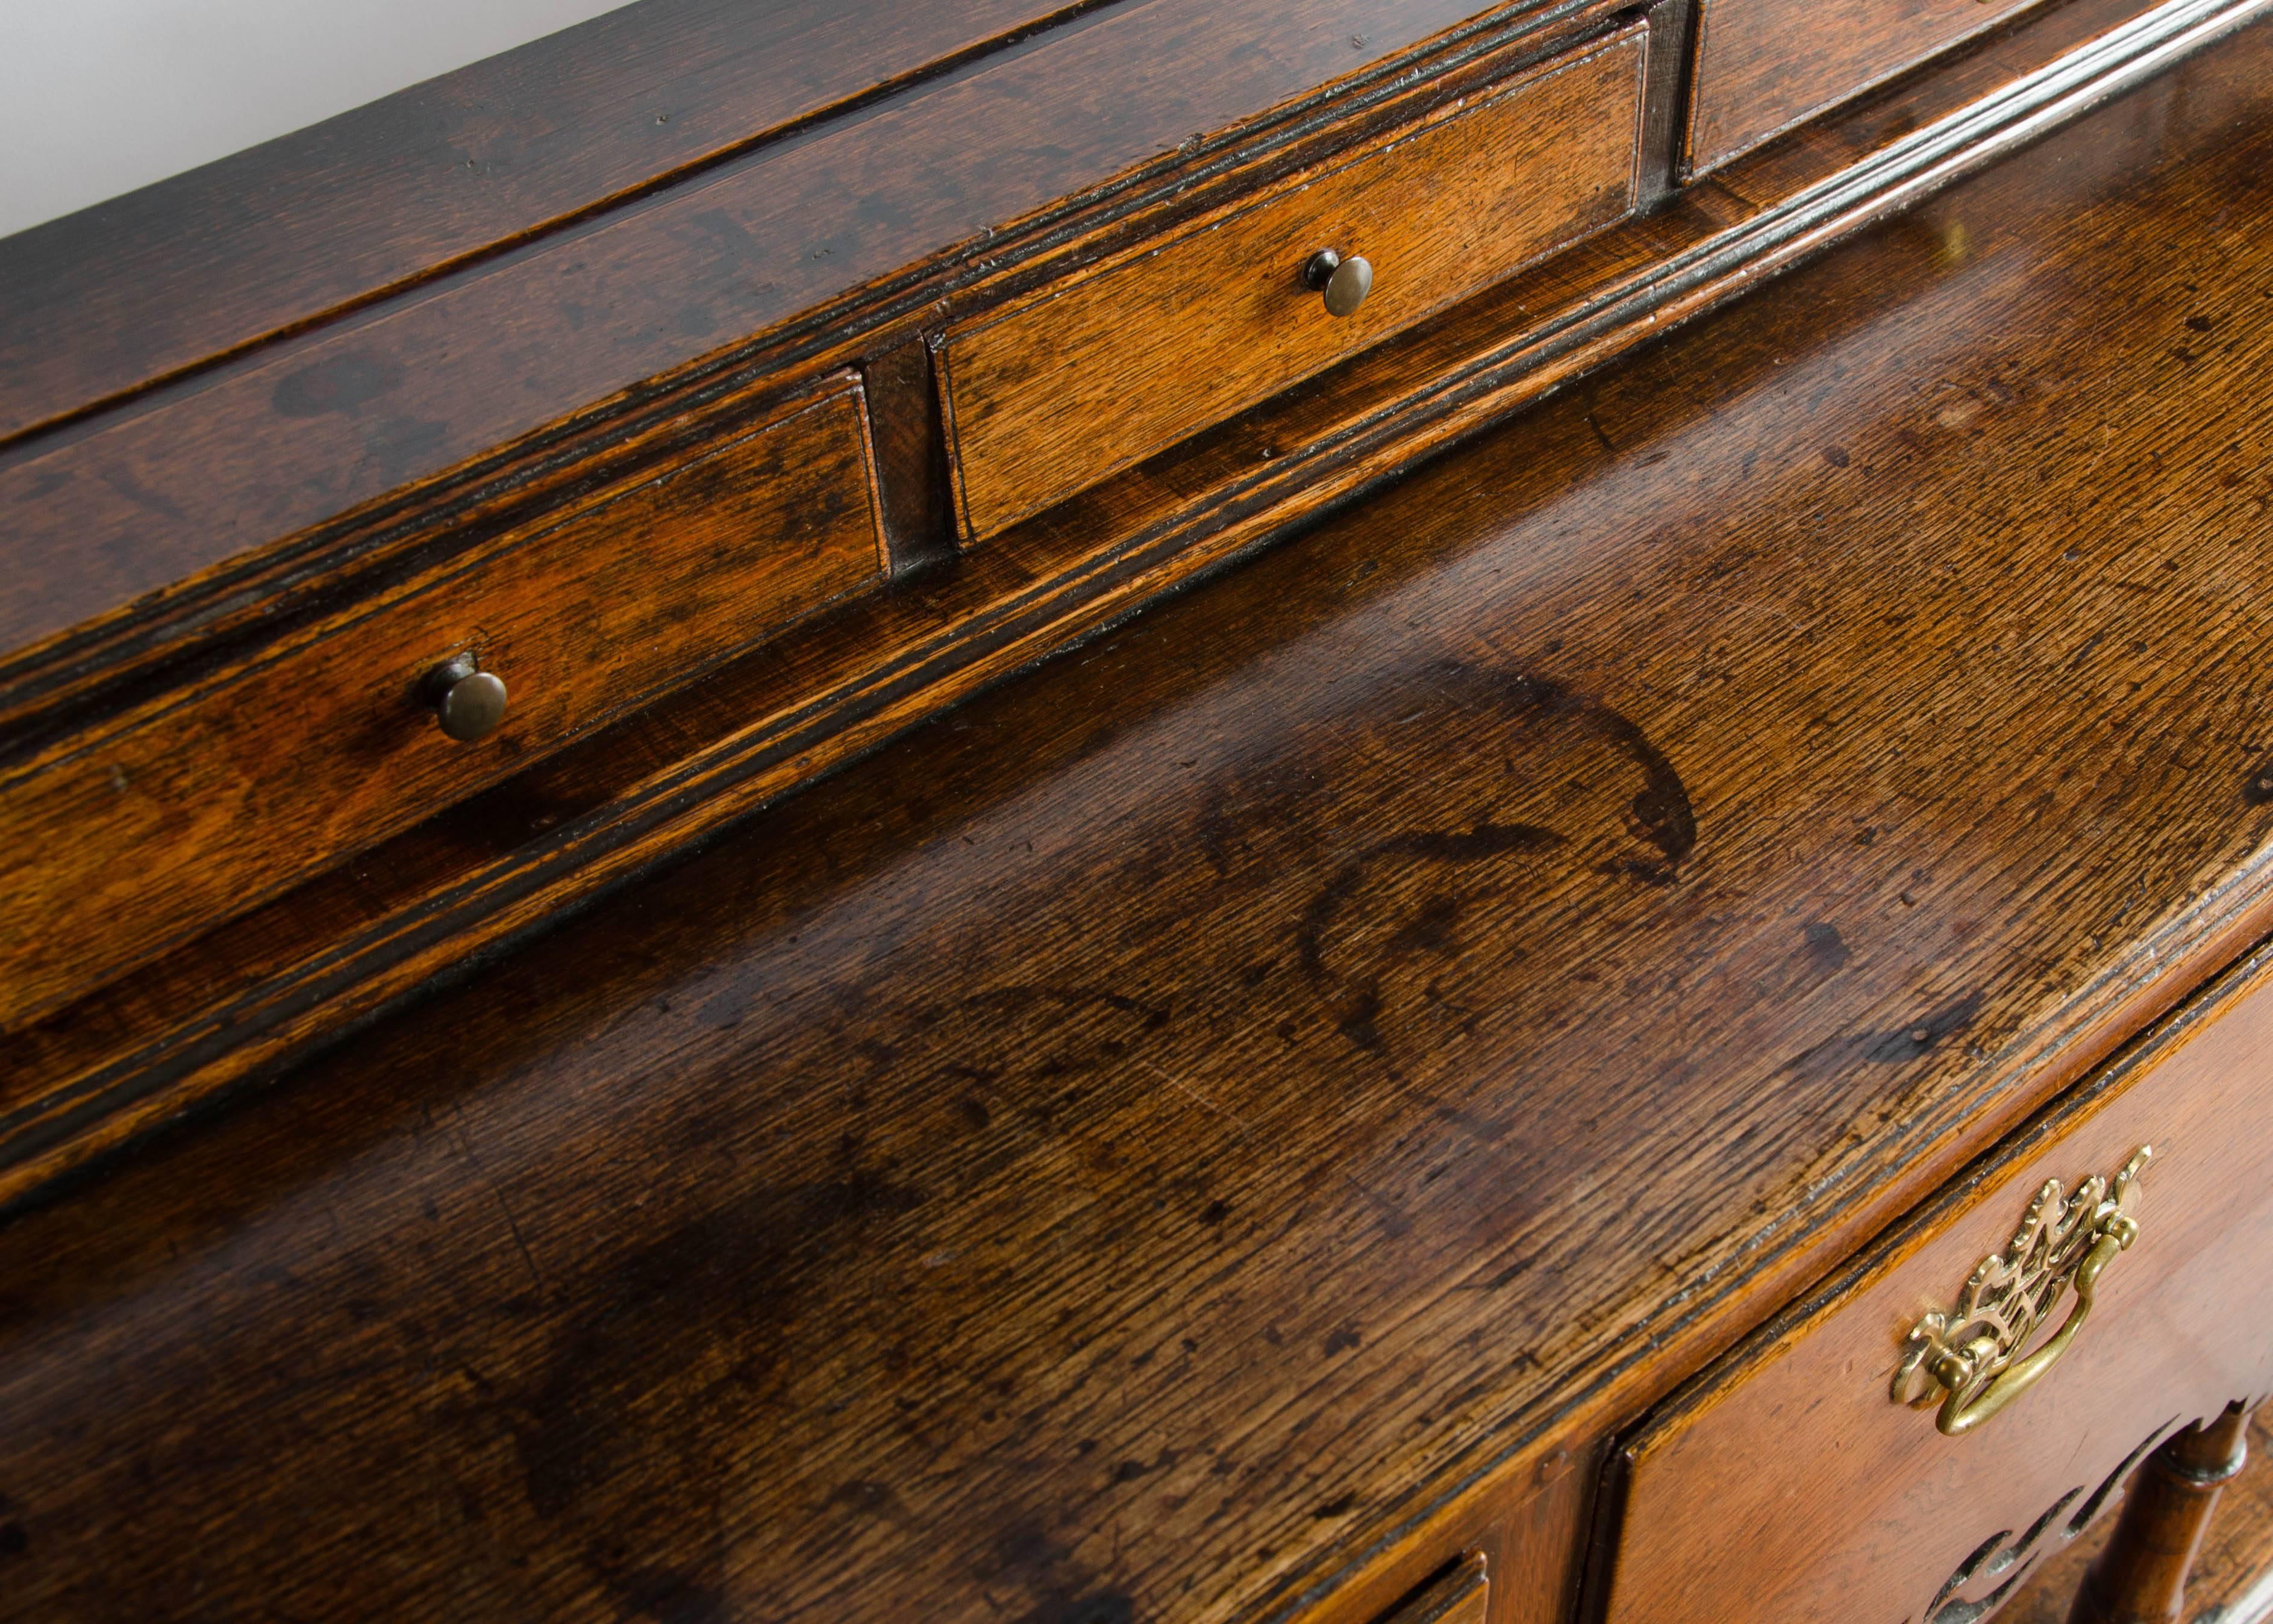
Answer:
(1345, 282)
(469, 702)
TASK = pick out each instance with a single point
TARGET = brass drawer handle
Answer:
(1968, 1360)
(1345, 282)
(469, 702)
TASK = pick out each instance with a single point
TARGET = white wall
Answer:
(98, 97)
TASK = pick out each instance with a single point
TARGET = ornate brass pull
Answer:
(1968, 1360)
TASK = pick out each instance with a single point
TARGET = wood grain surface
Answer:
(293, 434)
(116, 844)
(273, 238)
(1140, 352)
(1831, 1501)
(1763, 65)
(1148, 1145)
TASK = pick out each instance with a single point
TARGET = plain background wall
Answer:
(98, 97)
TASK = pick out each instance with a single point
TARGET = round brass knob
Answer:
(1345, 282)
(469, 702)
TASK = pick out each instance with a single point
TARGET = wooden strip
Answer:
(1460, 1597)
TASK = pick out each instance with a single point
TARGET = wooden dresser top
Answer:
(1128, 1149)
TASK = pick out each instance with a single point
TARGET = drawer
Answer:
(1788, 1484)
(1119, 361)
(1763, 65)
(121, 842)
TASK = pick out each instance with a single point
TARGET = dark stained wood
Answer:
(1763, 65)
(778, 244)
(2141, 1577)
(916, 499)
(2233, 1577)
(1134, 354)
(1832, 1501)
(117, 844)
(275, 237)
(238, 999)
(1387, 969)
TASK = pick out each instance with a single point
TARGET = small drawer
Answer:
(1789, 1482)
(117, 843)
(1125, 358)
(1764, 66)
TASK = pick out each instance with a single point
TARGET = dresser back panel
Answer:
(471, 163)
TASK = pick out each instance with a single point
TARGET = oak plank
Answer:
(237, 1001)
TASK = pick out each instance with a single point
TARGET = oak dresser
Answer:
(1358, 811)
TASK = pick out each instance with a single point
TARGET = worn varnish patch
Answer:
(960, 1193)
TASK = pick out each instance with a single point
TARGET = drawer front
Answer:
(1789, 1485)
(1763, 65)
(119, 843)
(1461, 1596)
(1124, 359)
